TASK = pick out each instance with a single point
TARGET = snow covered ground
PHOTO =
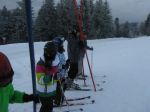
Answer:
(125, 62)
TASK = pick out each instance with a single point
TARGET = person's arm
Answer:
(89, 48)
(83, 45)
(16, 97)
(21, 97)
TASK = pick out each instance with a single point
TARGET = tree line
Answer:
(58, 19)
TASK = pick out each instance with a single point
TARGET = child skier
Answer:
(46, 75)
(63, 66)
(7, 92)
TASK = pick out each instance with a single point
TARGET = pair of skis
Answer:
(77, 104)
(74, 99)
(86, 89)
(74, 110)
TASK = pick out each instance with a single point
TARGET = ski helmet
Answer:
(58, 41)
(6, 71)
(50, 50)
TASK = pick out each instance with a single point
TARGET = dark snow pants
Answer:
(73, 71)
(46, 104)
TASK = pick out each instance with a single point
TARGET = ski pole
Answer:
(79, 21)
(92, 60)
(31, 46)
(63, 93)
(90, 71)
(83, 73)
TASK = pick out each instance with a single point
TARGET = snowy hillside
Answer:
(125, 62)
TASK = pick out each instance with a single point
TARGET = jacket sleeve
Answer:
(16, 96)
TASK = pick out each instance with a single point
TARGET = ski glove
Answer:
(91, 48)
(31, 97)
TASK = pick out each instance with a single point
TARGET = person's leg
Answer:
(72, 73)
(46, 104)
(59, 94)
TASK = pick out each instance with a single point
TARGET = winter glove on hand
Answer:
(91, 48)
(31, 97)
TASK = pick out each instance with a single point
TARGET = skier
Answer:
(83, 47)
(46, 76)
(73, 50)
(7, 92)
(76, 51)
(63, 66)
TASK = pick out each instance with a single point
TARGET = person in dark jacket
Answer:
(76, 50)
(7, 92)
(73, 50)
(83, 47)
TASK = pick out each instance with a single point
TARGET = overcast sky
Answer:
(126, 10)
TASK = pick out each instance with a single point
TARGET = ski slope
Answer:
(125, 62)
